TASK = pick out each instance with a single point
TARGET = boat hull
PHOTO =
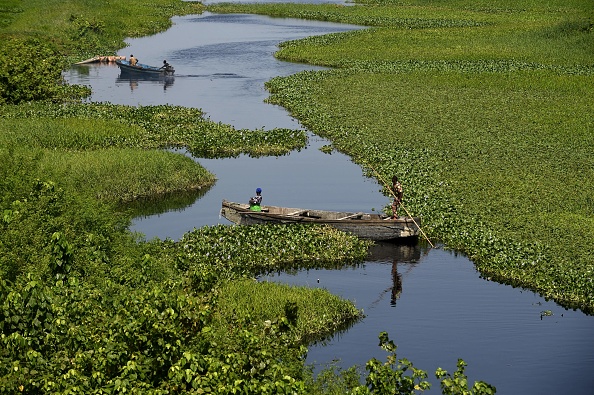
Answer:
(140, 68)
(366, 226)
(102, 59)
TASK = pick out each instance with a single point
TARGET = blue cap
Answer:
(258, 190)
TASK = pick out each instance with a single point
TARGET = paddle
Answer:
(401, 205)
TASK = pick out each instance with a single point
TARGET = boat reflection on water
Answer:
(374, 285)
(134, 79)
(405, 255)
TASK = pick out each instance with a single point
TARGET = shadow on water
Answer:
(147, 207)
(403, 255)
(135, 80)
(83, 71)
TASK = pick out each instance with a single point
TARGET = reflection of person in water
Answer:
(403, 256)
(133, 85)
(396, 283)
(167, 83)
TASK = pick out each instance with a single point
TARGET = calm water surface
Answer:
(436, 308)
(221, 64)
(433, 303)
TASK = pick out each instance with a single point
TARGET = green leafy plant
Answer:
(395, 376)
(458, 383)
(30, 70)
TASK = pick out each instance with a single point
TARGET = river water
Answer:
(433, 303)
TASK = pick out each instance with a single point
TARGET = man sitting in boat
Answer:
(133, 60)
(166, 66)
(256, 200)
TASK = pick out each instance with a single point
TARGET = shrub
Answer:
(32, 70)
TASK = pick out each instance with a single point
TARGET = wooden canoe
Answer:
(102, 59)
(140, 68)
(377, 227)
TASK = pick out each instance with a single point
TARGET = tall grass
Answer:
(161, 126)
(320, 313)
(76, 154)
(88, 28)
(68, 134)
(124, 175)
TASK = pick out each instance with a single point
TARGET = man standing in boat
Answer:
(256, 200)
(133, 60)
(397, 192)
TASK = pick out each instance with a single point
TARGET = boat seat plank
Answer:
(298, 212)
(352, 216)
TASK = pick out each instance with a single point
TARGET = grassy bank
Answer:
(89, 146)
(85, 29)
(484, 111)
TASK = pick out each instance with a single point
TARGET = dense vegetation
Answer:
(93, 315)
(483, 110)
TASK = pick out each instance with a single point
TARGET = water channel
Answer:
(432, 302)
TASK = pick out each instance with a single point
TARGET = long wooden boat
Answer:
(377, 227)
(102, 59)
(126, 67)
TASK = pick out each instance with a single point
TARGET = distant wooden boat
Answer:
(126, 67)
(102, 59)
(376, 227)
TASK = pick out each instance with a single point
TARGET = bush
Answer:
(32, 70)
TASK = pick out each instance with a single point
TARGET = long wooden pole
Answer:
(396, 197)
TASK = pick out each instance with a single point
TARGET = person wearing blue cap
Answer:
(256, 200)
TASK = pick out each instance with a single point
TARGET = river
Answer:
(432, 302)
